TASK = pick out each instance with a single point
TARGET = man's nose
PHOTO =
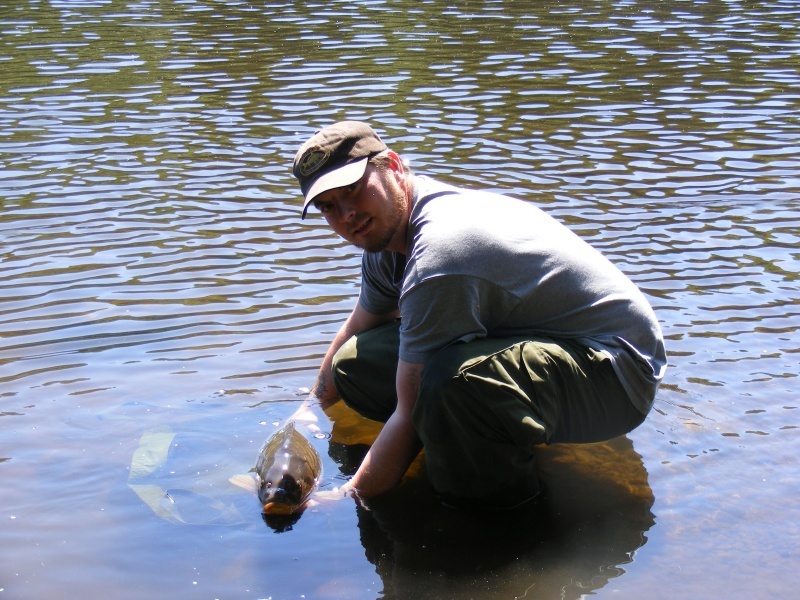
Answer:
(345, 210)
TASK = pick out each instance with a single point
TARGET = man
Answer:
(483, 327)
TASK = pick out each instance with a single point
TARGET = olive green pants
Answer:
(484, 405)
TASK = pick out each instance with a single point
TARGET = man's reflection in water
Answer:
(579, 536)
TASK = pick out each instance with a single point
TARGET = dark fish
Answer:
(288, 471)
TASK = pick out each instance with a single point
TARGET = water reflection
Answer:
(589, 527)
(594, 518)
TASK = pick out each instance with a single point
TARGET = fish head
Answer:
(281, 496)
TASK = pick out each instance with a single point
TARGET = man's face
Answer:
(372, 213)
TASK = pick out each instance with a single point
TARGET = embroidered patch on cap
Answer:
(312, 162)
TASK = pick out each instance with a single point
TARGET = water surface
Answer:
(156, 283)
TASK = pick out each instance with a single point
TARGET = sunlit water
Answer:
(156, 284)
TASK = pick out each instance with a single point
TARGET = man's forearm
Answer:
(358, 321)
(397, 444)
(323, 388)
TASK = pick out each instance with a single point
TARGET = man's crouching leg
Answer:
(479, 432)
(485, 405)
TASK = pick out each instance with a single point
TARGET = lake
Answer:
(163, 309)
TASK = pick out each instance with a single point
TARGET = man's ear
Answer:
(396, 164)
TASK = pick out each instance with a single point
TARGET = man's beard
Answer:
(377, 245)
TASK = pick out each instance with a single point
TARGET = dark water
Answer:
(158, 291)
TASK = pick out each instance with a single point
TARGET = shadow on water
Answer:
(591, 522)
(281, 523)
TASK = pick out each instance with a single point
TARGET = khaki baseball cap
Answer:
(335, 157)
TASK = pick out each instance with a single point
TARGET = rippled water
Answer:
(156, 280)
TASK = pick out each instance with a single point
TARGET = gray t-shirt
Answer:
(482, 264)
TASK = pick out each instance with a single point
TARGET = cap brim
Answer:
(344, 175)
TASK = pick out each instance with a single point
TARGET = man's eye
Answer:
(323, 208)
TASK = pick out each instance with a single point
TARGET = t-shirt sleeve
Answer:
(379, 293)
(449, 309)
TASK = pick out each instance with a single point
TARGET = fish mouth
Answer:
(277, 508)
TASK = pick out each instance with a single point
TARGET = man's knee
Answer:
(363, 372)
(343, 362)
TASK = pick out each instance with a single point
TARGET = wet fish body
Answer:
(288, 471)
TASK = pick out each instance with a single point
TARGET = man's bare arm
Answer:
(323, 392)
(358, 321)
(397, 444)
